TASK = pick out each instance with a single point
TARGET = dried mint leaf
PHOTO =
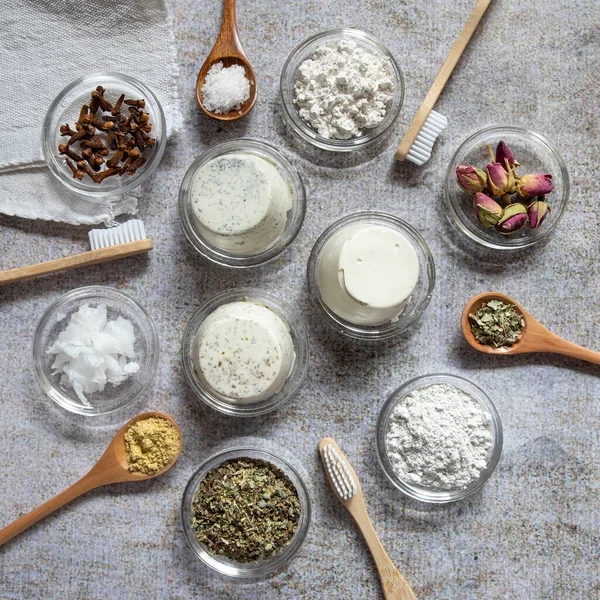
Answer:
(245, 510)
(497, 324)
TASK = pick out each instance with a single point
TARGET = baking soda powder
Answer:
(343, 90)
(439, 437)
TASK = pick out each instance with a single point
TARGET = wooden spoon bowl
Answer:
(534, 336)
(228, 50)
(110, 468)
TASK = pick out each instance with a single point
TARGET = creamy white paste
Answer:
(244, 351)
(240, 203)
(367, 273)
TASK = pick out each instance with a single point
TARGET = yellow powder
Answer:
(152, 444)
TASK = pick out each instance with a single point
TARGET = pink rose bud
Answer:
(471, 179)
(503, 153)
(537, 212)
(488, 211)
(513, 219)
(536, 184)
(500, 181)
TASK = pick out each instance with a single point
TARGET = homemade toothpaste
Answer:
(240, 203)
(243, 351)
(367, 273)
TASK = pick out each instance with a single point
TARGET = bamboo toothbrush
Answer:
(109, 244)
(346, 486)
(427, 125)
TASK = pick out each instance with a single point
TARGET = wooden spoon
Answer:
(111, 468)
(534, 337)
(228, 50)
(346, 486)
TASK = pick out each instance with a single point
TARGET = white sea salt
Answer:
(93, 351)
(225, 88)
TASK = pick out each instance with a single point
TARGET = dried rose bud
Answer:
(500, 181)
(488, 211)
(504, 153)
(537, 212)
(471, 179)
(536, 184)
(513, 219)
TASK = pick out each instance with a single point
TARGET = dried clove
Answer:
(77, 174)
(64, 149)
(123, 142)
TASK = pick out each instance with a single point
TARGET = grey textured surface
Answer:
(532, 532)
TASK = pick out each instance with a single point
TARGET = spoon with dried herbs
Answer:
(145, 447)
(494, 323)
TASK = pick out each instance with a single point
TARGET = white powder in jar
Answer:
(439, 437)
(343, 89)
(225, 88)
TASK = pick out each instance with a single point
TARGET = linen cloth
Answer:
(49, 44)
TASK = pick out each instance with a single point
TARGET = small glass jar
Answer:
(223, 565)
(419, 299)
(65, 109)
(304, 51)
(536, 155)
(146, 347)
(293, 382)
(426, 494)
(295, 217)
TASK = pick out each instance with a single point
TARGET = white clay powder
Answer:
(225, 88)
(343, 90)
(439, 437)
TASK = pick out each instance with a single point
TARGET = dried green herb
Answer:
(245, 510)
(497, 324)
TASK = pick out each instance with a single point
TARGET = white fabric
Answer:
(43, 47)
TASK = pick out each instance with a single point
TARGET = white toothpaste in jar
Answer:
(244, 352)
(240, 203)
(367, 273)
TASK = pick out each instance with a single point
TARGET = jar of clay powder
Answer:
(465, 448)
(353, 40)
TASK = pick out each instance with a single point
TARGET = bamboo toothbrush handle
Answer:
(93, 257)
(442, 77)
(394, 586)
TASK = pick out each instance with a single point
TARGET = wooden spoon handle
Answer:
(394, 586)
(442, 78)
(229, 32)
(559, 346)
(86, 483)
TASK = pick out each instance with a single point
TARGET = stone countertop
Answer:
(532, 531)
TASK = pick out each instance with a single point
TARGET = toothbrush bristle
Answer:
(420, 151)
(339, 473)
(130, 231)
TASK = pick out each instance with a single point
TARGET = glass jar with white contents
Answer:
(245, 352)
(371, 275)
(241, 203)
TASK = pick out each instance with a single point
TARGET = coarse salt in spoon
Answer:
(111, 468)
(534, 336)
(346, 486)
(227, 50)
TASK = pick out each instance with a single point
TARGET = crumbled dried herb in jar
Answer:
(245, 510)
(497, 324)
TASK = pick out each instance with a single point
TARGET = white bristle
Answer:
(339, 473)
(130, 231)
(420, 151)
